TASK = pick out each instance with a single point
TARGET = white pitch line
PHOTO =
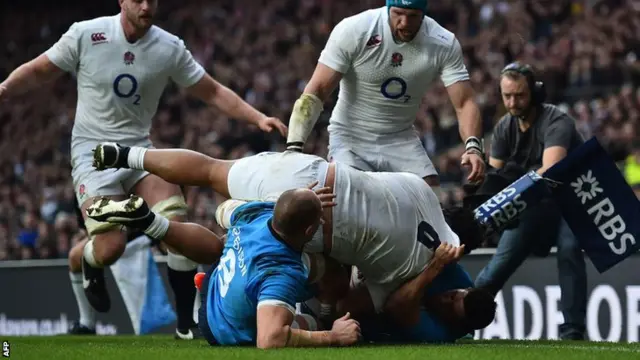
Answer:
(572, 347)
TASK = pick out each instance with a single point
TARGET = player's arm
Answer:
(62, 56)
(335, 60)
(557, 139)
(192, 76)
(404, 304)
(224, 99)
(455, 78)
(275, 319)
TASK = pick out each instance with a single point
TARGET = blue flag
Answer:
(504, 208)
(597, 203)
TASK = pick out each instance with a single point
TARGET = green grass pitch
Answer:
(165, 347)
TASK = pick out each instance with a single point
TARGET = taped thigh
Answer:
(171, 207)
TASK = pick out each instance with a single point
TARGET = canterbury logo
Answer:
(98, 37)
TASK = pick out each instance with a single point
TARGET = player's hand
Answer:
(327, 198)
(345, 331)
(267, 124)
(446, 254)
(475, 162)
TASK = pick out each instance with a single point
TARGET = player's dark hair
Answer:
(479, 309)
(463, 222)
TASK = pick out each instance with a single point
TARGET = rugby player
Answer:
(250, 297)
(122, 64)
(385, 60)
(389, 225)
(451, 309)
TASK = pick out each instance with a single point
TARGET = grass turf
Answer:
(165, 347)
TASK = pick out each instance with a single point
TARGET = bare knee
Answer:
(75, 257)
(109, 246)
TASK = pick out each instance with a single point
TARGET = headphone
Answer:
(537, 88)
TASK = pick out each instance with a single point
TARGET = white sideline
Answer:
(559, 346)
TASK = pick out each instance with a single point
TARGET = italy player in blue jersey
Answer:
(250, 296)
(452, 308)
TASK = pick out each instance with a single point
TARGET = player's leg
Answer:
(106, 242)
(176, 166)
(166, 200)
(192, 240)
(86, 324)
(105, 245)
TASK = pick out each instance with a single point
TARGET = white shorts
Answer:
(266, 175)
(88, 182)
(400, 152)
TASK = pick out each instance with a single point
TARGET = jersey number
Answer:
(428, 236)
(123, 91)
(227, 269)
(395, 88)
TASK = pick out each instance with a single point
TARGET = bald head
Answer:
(297, 216)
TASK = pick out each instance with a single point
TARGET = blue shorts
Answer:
(203, 324)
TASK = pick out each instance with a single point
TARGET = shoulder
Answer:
(251, 211)
(437, 36)
(104, 22)
(551, 114)
(167, 39)
(100, 29)
(503, 124)
(362, 20)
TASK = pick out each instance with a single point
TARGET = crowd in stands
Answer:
(587, 52)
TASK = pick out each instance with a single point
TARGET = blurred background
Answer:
(265, 50)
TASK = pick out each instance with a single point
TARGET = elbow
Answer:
(275, 339)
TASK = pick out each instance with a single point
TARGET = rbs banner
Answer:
(598, 205)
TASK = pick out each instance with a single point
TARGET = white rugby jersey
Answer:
(120, 83)
(384, 81)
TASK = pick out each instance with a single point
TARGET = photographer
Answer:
(535, 136)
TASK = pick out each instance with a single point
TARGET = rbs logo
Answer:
(502, 208)
(603, 213)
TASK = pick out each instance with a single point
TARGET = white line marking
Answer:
(560, 346)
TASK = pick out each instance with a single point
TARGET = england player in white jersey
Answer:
(386, 224)
(385, 60)
(122, 64)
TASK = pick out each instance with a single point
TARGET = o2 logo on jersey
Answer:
(125, 86)
(395, 88)
(428, 236)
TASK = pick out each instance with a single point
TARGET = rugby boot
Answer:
(95, 287)
(110, 156)
(192, 333)
(79, 329)
(132, 212)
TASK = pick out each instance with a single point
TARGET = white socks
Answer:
(87, 313)
(158, 228)
(136, 157)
